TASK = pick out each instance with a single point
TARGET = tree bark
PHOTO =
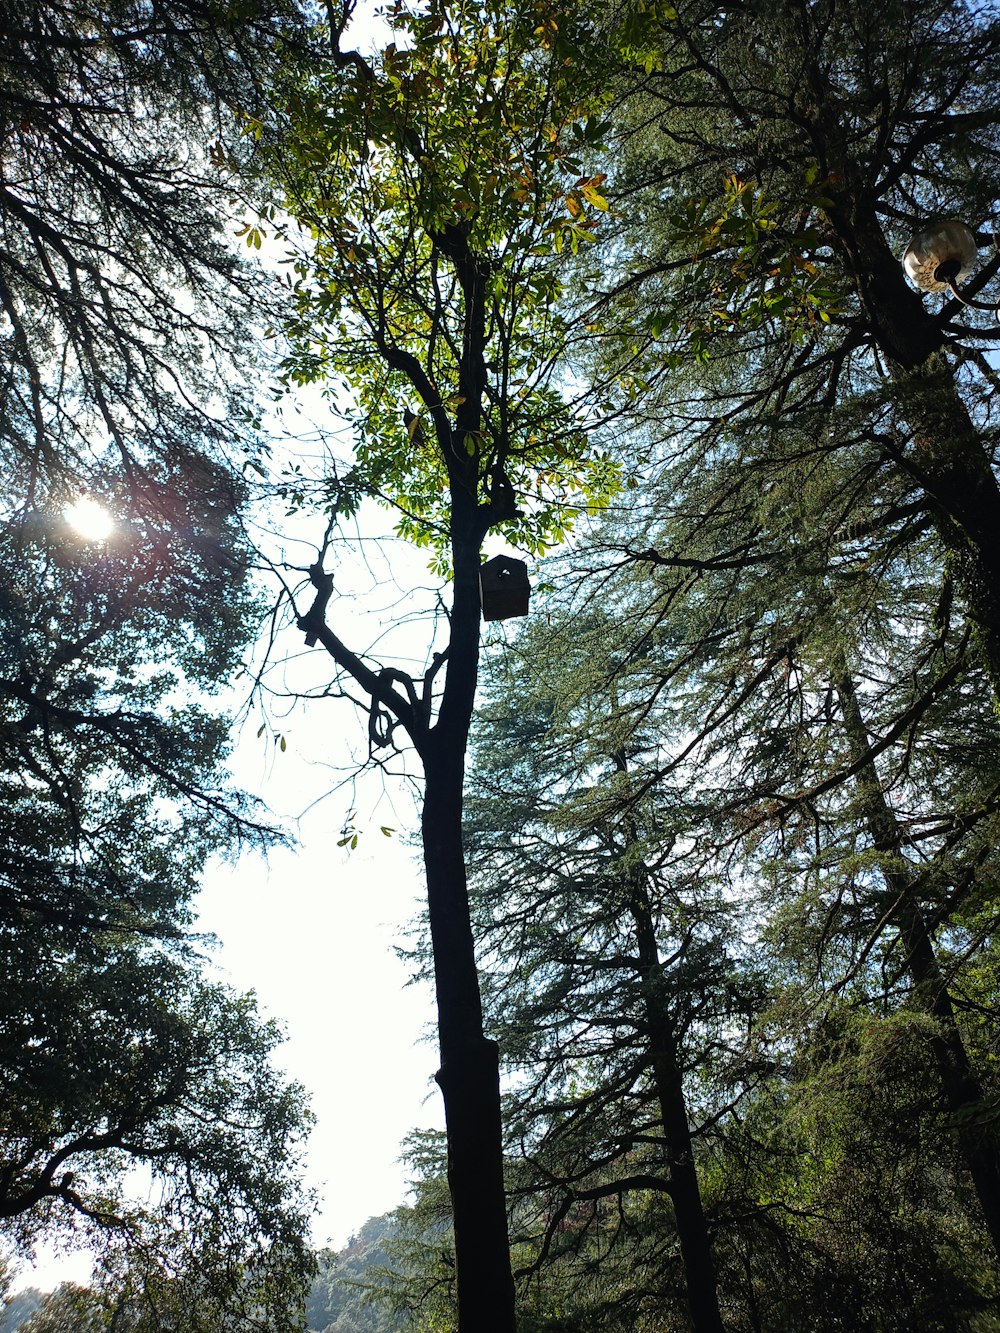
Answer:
(685, 1192)
(469, 1072)
(961, 1089)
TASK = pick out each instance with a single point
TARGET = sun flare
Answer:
(90, 519)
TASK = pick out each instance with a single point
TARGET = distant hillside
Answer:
(16, 1309)
(336, 1304)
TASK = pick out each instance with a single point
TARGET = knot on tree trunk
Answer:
(479, 1056)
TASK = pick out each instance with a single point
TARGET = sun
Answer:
(90, 519)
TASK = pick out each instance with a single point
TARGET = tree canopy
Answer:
(438, 185)
(711, 904)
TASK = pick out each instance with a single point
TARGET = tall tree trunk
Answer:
(469, 1072)
(685, 1192)
(962, 1090)
(664, 1055)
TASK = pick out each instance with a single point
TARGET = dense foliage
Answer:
(779, 698)
(141, 1114)
(340, 1300)
(721, 880)
(732, 806)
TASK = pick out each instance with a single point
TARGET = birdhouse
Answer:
(504, 588)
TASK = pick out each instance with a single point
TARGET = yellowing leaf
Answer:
(595, 199)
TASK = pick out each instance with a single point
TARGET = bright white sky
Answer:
(312, 930)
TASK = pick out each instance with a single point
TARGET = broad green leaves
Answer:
(441, 188)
